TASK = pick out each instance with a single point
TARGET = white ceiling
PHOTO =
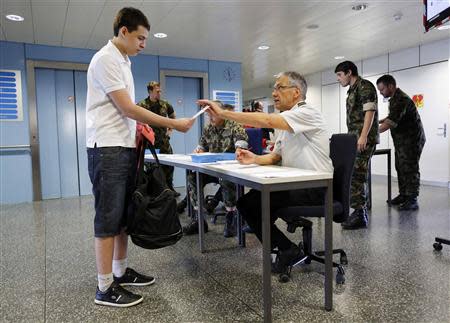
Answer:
(231, 30)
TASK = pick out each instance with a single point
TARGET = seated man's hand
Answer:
(245, 156)
(213, 109)
(198, 151)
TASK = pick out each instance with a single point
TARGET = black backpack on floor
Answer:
(155, 222)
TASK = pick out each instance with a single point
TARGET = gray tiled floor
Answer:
(48, 270)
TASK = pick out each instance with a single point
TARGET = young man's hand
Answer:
(245, 157)
(183, 124)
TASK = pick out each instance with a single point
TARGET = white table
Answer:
(266, 179)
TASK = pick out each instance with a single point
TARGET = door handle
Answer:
(444, 132)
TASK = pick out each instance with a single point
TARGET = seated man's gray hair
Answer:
(297, 80)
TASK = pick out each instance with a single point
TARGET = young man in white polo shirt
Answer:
(301, 141)
(111, 116)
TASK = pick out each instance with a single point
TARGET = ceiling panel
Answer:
(17, 31)
(48, 20)
(231, 30)
(81, 19)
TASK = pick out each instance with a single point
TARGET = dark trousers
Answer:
(249, 206)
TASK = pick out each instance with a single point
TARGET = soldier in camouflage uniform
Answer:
(162, 135)
(409, 138)
(362, 120)
(219, 136)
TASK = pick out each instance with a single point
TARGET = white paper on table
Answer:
(200, 112)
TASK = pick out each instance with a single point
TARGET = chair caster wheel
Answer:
(344, 260)
(340, 279)
(340, 276)
(437, 246)
(284, 278)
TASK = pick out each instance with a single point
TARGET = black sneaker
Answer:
(399, 199)
(287, 258)
(247, 229)
(357, 220)
(182, 206)
(210, 204)
(117, 296)
(133, 278)
(409, 205)
(229, 230)
(192, 228)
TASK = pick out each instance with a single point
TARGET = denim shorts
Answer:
(112, 171)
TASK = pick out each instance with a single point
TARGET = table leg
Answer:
(188, 200)
(389, 177)
(201, 224)
(241, 234)
(267, 289)
(329, 247)
(369, 184)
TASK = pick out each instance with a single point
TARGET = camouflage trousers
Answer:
(359, 188)
(228, 189)
(165, 148)
(407, 167)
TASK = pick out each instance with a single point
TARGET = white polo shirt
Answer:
(308, 147)
(106, 126)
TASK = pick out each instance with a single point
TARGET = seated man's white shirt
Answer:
(308, 146)
(106, 126)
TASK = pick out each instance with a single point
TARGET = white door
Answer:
(431, 81)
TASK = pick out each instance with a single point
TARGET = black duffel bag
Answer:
(155, 222)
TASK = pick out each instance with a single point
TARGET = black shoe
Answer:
(133, 278)
(287, 258)
(176, 194)
(192, 228)
(229, 229)
(399, 199)
(409, 205)
(117, 296)
(182, 206)
(357, 220)
(210, 204)
(247, 229)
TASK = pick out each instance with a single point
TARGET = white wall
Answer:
(417, 62)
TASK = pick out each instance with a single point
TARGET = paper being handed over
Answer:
(200, 112)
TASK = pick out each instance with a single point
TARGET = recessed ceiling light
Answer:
(263, 47)
(312, 27)
(444, 27)
(360, 7)
(160, 35)
(339, 57)
(14, 17)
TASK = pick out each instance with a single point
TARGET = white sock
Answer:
(104, 281)
(119, 267)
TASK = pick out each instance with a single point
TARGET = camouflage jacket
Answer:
(362, 97)
(222, 139)
(405, 122)
(164, 109)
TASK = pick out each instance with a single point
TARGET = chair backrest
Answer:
(343, 155)
(255, 136)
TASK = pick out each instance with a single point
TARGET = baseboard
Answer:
(422, 182)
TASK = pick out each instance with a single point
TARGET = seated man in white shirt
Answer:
(301, 141)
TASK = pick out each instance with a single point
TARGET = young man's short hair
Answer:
(151, 85)
(387, 80)
(131, 18)
(345, 67)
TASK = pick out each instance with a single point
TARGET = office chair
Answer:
(439, 242)
(255, 138)
(343, 154)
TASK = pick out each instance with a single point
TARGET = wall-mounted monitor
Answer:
(437, 12)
